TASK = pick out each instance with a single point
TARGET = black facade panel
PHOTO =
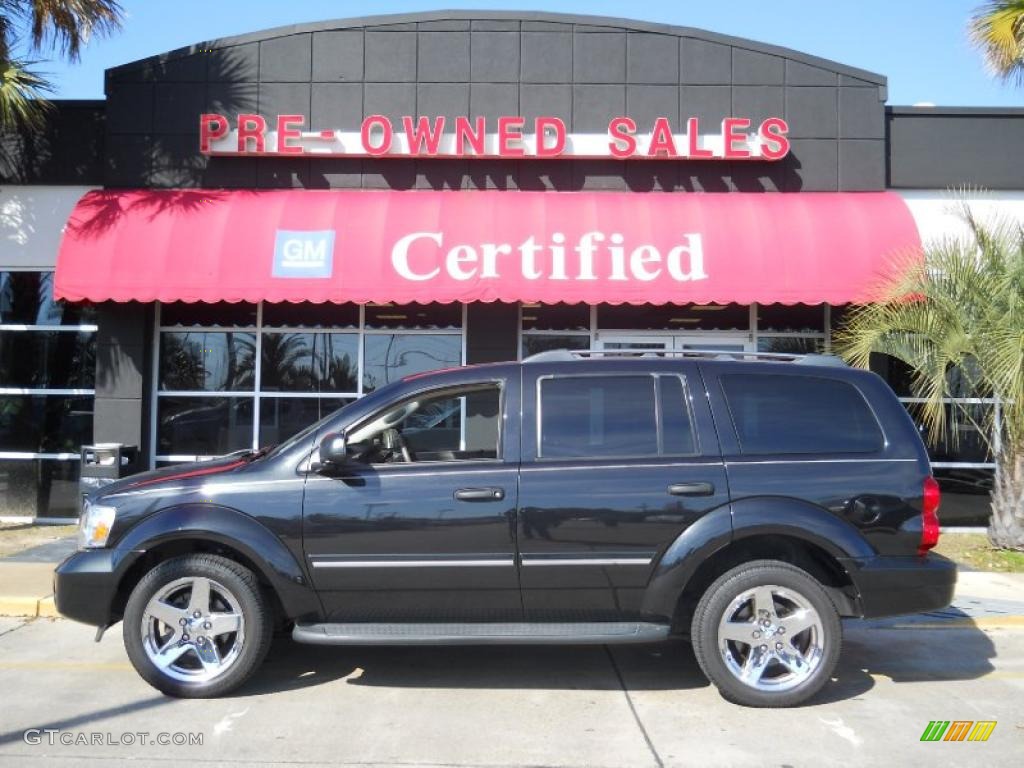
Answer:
(69, 149)
(812, 112)
(393, 100)
(494, 100)
(861, 113)
(339, 105)
(390, 56)
(645, 103)
(286, 59)
(536, 99)
(338, 56)
(861, 164)
(492, 333)
(754, 68)
(446, 100)
(951, 148)
(798, 73)
(652, 59)
(758, 102)
(494, 57)
(816, 165)
(599, 57)
(443, 57)
(594, 105)
(234, 64)
(702, 62)
(708, 103)
(546, 57)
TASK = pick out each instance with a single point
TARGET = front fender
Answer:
(231, 528)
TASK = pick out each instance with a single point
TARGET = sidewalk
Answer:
(983, 600)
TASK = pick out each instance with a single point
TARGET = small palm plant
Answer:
(957, 321)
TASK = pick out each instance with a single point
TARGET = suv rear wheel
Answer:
(767, 634)
(197, 626)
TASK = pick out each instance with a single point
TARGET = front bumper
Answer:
(890, 586)
(85, 585)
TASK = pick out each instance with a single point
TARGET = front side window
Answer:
(454, 424)
(800, 414)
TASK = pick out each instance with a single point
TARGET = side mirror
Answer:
(334, 449)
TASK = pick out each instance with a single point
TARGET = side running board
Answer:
(518, 633)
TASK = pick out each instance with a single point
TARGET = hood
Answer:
(176, 475)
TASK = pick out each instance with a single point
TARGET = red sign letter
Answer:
(252, 127)
(423, 135)
(510, 129)
(558, 131)
(211, 127)
(621, 130)
(695, 152)
(733, 130)
(465, 133)
(661, 138)
(288, 128)
(774, 143)
(366, 135)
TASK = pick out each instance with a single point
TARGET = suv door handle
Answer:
(480, 494)
(691, 489)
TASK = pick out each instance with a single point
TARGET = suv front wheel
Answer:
(767, 634)
(197, 626)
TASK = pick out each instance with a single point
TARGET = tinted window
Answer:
(594, 416)
(676, 429)
(799, 414)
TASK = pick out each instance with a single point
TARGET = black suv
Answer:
(572, 498)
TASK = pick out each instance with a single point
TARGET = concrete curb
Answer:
(28, 607)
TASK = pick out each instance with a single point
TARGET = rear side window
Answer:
(800, 414)
(614, 417)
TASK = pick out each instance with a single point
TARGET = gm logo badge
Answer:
(303, 253)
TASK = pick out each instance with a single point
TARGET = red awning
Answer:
(384, 246)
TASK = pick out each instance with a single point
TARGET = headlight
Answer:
(94, 526)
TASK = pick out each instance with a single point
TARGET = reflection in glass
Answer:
(212, 361)
(203, 426)
(425, 316)
(47, 359)
(790, 345)
(389, 357)
(795, 318)
(965, 495)
(309, 315)
(533, 344)
(556, 317)
(39, 488)
(222, 314)
(26, 298)
(282, 417)
(963, 440)
(309, 362)
(598, 416)
(45, 423)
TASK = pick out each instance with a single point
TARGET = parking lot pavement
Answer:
(488, 706)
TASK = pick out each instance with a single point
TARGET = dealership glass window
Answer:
(674, 317)
(251, 375)
(544, 327)
(47, 387)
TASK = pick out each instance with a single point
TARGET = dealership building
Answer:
(248, 233)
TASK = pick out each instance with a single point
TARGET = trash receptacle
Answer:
(104, 463)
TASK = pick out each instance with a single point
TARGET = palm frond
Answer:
(997, 28)
(67, 25)
(23, 102)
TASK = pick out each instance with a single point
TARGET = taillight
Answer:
(931, 498)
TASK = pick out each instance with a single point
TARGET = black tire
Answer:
(718, 599)
(255, 609)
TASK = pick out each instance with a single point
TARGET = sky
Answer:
(920, 45)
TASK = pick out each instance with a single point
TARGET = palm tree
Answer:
(997, 28)
(62, 26)
(957, 321)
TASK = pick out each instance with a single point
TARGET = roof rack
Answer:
(565, 355)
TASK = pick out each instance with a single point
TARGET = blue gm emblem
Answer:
(303, 254)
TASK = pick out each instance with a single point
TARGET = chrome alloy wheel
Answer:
(193, 629)
(771, 638)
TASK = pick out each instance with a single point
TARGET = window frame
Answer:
(499, 383)
(884, 437)
(655, 376)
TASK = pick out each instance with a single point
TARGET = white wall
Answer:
(937, 213)
(31, 222)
